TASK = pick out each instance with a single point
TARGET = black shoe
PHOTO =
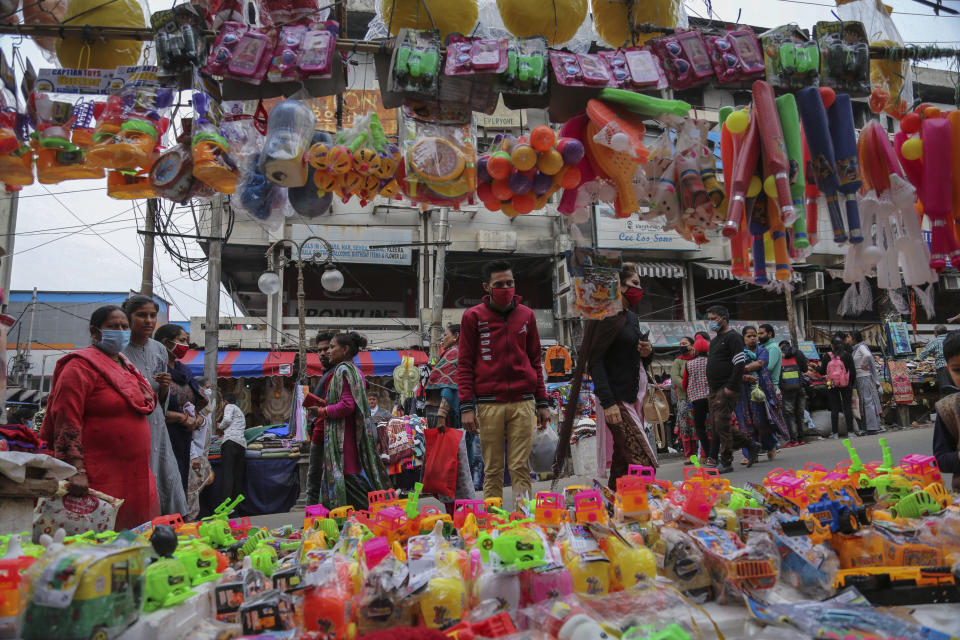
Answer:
(725, 468)
(754, 451)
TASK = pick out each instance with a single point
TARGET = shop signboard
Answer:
(808, 349)
(358, 244)
(899, 337)
(632, 233)
(668, 333)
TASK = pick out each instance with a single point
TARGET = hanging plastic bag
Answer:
(440, 465)
(757, 394)
(94, 512)
(543, 448)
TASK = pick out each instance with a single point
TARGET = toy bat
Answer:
(793, 139)
(936, 192)
(840, 116)
(810, 195)
(744, 168)
(775, 160)
(758, 224)
(823, 163)
(728, 147)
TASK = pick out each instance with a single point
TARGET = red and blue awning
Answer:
(372, 363)
(245, 364)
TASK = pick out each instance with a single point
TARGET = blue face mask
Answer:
(714, 326)
(113, 341)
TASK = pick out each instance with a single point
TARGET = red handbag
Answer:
(441, 460)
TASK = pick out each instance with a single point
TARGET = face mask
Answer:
(632, 295)
(208, 393)
(113, 341)
(502, 297)
(714, 326)
(179, 350)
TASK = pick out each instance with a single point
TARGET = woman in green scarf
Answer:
(351, 462)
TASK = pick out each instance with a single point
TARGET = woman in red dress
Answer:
(97, 420)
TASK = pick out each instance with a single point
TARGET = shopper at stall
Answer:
(841, 380)
(201, 473)
(868, 385)
(685, 429)
(946, 429)
(758, 412)
(725, 362)
(377, 413)
(935, 347)
(184, 399)
(697, 390)
(500, 380)
(765, 337)
(233, 451)
(315, 467)
(150, 358)
(97, 420)
(793, 391)
(351, 463)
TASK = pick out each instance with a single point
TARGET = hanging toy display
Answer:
(520, 174)
(439, 162)
(76, 53)
(359, 162)
(792, 60)
(289, 132)
(16, 156)
(212, 163)
(776, 168)
(736, 55)
(616, 20)
(179, 39)
(793, 140)
(823, 162)
(844, 57)
(309, 201)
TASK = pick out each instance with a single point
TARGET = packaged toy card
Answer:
(283, 64)
(415, 67)
(179, 39)
(525, 81)
(251, 56)
(791, 58)
(736, 55)
(636, 69)
(684, 57)
(228, 37)
(439, 161)
(844, 57)
(581, 69)
(316, 57)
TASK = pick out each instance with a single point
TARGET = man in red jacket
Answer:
(500, 380)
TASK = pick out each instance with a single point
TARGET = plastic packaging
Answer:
(526, 78)
(581, 69)
(287, 12)
(212, 162)
(792, 59)
(439, 162)
(221, 53)
(736, 55)
(415, 67)
(179, 39)
(289, 133)
(250, 57)
(446, 16)
(316, 57)
(844, 57)
(472, 56)
(16, 157)
(684, 57)
(636, 69)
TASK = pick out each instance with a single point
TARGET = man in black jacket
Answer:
(725, 362)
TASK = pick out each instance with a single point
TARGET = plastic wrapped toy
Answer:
(556, 20)
(736, 55)
(224, 46)
(179, 39)
(289, 133)
(525, 81)
(684, 57)
(212, 163)
(439, 162)
(844, 57)
(415, 68)
(792, 60)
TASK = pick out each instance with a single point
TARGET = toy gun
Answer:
(672, 631)
(226, 507)
(856, 465)
(521, 551)
(887, 465)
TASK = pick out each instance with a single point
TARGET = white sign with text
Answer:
(353, 244)
(633, 233)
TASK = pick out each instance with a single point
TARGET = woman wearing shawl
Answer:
(685, 429)
(442, 390)
(616, 354)
(759, 418)
(185, 399)
(351, 463)
(97, 420)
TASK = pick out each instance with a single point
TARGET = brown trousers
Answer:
(726, 437)
(513, 423)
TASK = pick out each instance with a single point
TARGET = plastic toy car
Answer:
(588, 507)
(630, 500)
(522, 549)
(722, 552)
(923, 469)
(11, 570)
(916, 505)
(340, 514)
(550, 509)
(383, 499)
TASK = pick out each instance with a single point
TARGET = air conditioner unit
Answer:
(497, 241)
(950, 281)
(813, 283)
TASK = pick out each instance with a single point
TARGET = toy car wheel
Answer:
(847, 522)
(863, 516)
(487, 543)
(99, 634)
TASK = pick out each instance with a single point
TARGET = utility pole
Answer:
(791, 315)
(27, 361)
(8, 216)
(439, 267)
(149, 228)
(211, 334)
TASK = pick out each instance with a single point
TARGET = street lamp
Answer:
(270, 282)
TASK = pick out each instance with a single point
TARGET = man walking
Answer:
(765, 336)
(315, 468)
(500, 380)
(725, 362)
(935, 347)
(868, 385)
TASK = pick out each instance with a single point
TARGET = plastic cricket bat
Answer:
(840, 117)
(745, 166)
(823, 162)
(810, 196)
(793, 138)
(775, 160)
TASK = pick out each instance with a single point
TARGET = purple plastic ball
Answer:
(572, 151)
(519, 183)
(482, 175)
(542, 183)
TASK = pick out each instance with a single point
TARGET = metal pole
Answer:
(436, 320)
(212, 330)
(149, 226)
(301, 319)
(791, 316)
(28, 363)
(6, 264)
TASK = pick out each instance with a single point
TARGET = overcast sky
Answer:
(55, 252)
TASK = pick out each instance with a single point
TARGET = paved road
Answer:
(825, 452)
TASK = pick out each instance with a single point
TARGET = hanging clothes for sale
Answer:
(558, 363)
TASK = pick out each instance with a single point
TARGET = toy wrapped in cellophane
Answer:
(16, 157)
(212, 162)
(439, 161)
(596, 285)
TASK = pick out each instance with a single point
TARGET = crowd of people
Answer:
(137, 425)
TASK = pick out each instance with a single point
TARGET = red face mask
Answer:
(632, 295)
(179, 350)
(502, 297)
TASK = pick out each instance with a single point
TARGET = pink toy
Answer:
(375, 550)
(547, 585)
(649, 474)
(316, 511)
(936, 192)
(576, 128)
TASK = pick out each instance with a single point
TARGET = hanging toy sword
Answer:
(840, 116)
(823, 163)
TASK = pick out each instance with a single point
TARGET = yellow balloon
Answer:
(555, 20)
(448, 16)
(612, 18)
(912, 149)
(770, 186)
(755, 186)
(74, 53)
(738, 121)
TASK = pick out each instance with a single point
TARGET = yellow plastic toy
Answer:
(130, 185)
(442, 604)
(588, 566)
(211, 162)
(613, 18)
(124, 146)
(628, 565)
(556, 20)
(446, 16)
(77, 53)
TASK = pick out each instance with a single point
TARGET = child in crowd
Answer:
(946, 431)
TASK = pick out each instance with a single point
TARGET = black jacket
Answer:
(616, 374)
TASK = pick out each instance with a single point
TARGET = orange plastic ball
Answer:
(498, 166)
(542, 138)
(931, 112)
(523, 203)
(492, 204)
(828, 95)
(571, 179)
(501, 190)
(911, 123)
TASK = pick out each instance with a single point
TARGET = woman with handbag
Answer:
(616, 354)
(351, 463)
(757, 411)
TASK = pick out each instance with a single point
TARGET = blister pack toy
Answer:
(581, 69)
(596, 284)
(524, 82)
(316, 57)
(250, 57)
(844, 57)
(415, 67)
(179, 39)
(283, 65)
(472, 56)
(684, 57)
(223, 48)
(636, 69)
(791, 58)
(736, 55)
(282, 12)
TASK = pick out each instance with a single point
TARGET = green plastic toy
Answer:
(167, 584)
(199, 559)
(741, 498)
(264, 559)
(887, 465)
(672, 631)
(215, 529)
(856, 464)
(916, 505)
(521, 551)
(413, 501)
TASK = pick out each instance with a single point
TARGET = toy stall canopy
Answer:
(244, 364)
(372, 363)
